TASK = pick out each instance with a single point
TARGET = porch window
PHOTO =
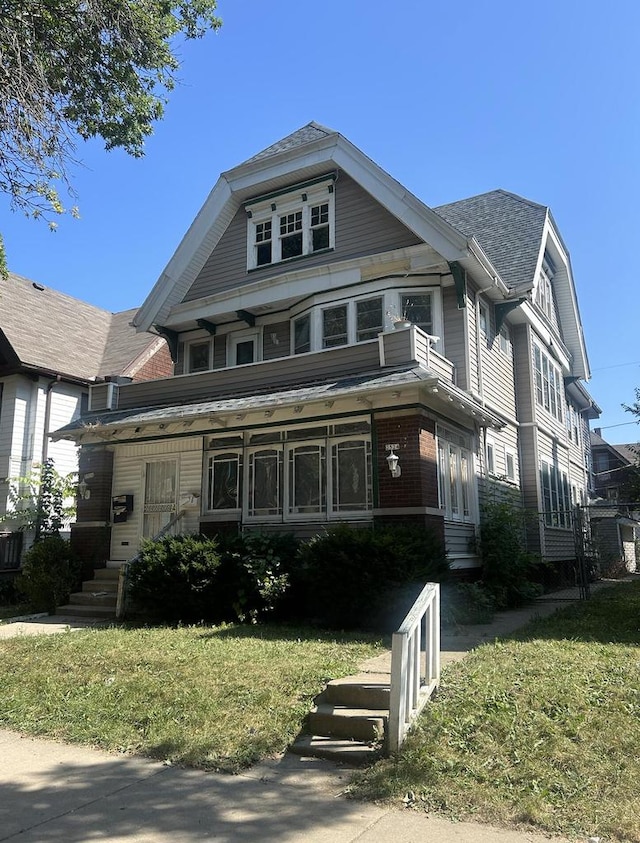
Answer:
(456, 486)
(351, 476)
(265, 485)
(306, 479)
(224, 481)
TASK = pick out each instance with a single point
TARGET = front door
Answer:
(160, 490)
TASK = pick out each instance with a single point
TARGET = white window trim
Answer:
(561, 491)
(235, 338)
(504, 340)
(275, 207)
(548, 389)
(509, 452)
(490, 456)
(446, 445)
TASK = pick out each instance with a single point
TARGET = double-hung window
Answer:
(548, 383)
(199, 356)
(291, 223)
(456, 488)
(418, 309)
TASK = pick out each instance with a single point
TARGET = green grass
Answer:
(212, 697)
(543, 729)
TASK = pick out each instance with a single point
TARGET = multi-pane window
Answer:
(320, 227)
(335, 328)
(483, 318)
(455, 476)
(491, 456)
(289, 225)
(556, 500)
(291, 235)
(544, 290)
(505, 340)
(300, 473)
(510, 465)
(573, 423)
(369, 319)
(263, 242)
(548, 383)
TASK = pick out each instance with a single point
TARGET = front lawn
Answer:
(211, 697)
(542, 730)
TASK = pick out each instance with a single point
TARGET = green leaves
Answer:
(87, 68)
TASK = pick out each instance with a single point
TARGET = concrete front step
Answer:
(100, 585)
(335, 749)
(94, 598)
(365, 690)
(109, 573)
(360, 724)
(78, 611)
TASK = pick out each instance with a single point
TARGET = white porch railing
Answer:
(123, 576)
(415, 663)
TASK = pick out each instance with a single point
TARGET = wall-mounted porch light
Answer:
(393, 460)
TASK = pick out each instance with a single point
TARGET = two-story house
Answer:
(52, 348)
(346, 353)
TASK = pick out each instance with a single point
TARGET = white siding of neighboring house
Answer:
(22, 427)
(128, 478)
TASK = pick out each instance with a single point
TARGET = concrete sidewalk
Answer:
(57, 792)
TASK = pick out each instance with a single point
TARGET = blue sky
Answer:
(451, 99)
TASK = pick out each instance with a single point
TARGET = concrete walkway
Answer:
(58, 792)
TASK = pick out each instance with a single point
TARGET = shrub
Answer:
(174, 578)
(353, 578)
(508, 570)
(48, 574)
(467, 603)
(254, 575)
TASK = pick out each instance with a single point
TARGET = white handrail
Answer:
(412, 680)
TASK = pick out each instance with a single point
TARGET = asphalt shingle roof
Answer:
(508, 228)
(311, 132)
(51, 331)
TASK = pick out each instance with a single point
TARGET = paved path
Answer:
(58, 792)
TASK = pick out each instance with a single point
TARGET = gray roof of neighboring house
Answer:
(508, 227)
(311, 132)
(628, 453)
(53, 332)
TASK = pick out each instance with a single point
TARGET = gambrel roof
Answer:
(47, 331)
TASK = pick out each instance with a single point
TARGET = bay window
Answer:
(548, 383)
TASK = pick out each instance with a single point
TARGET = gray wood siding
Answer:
(255, 378)
(458, 539)
(529, 468)
(455, 341)
(559, 545)
(498, 382)
(523, 374)
(276, 341)
(363, 227)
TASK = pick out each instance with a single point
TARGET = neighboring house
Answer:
(52, 348)
(297, 384)
(615, 512)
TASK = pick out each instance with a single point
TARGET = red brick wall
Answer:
(418, 485)
(158, 366)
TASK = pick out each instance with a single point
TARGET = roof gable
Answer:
(305, 154)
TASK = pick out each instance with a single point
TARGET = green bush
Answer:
(350, 578)
(467, 603)
(48, 575)
(508, 569)
(224, 578)
(174, 578)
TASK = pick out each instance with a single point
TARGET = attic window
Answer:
(290, 225)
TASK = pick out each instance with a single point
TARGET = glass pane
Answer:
(160, 486)
(245, 352)
(334, 326)
(453, 480)
(291, 246)
(320, 214)
(368, 319)
(417, 309)
(265, 483)
(223, 481)
(199, 357)
(302, 335)
(306, 479)
(465, 484)
(263, 253)
(320, 238)
(351, 476)
(307, 433)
